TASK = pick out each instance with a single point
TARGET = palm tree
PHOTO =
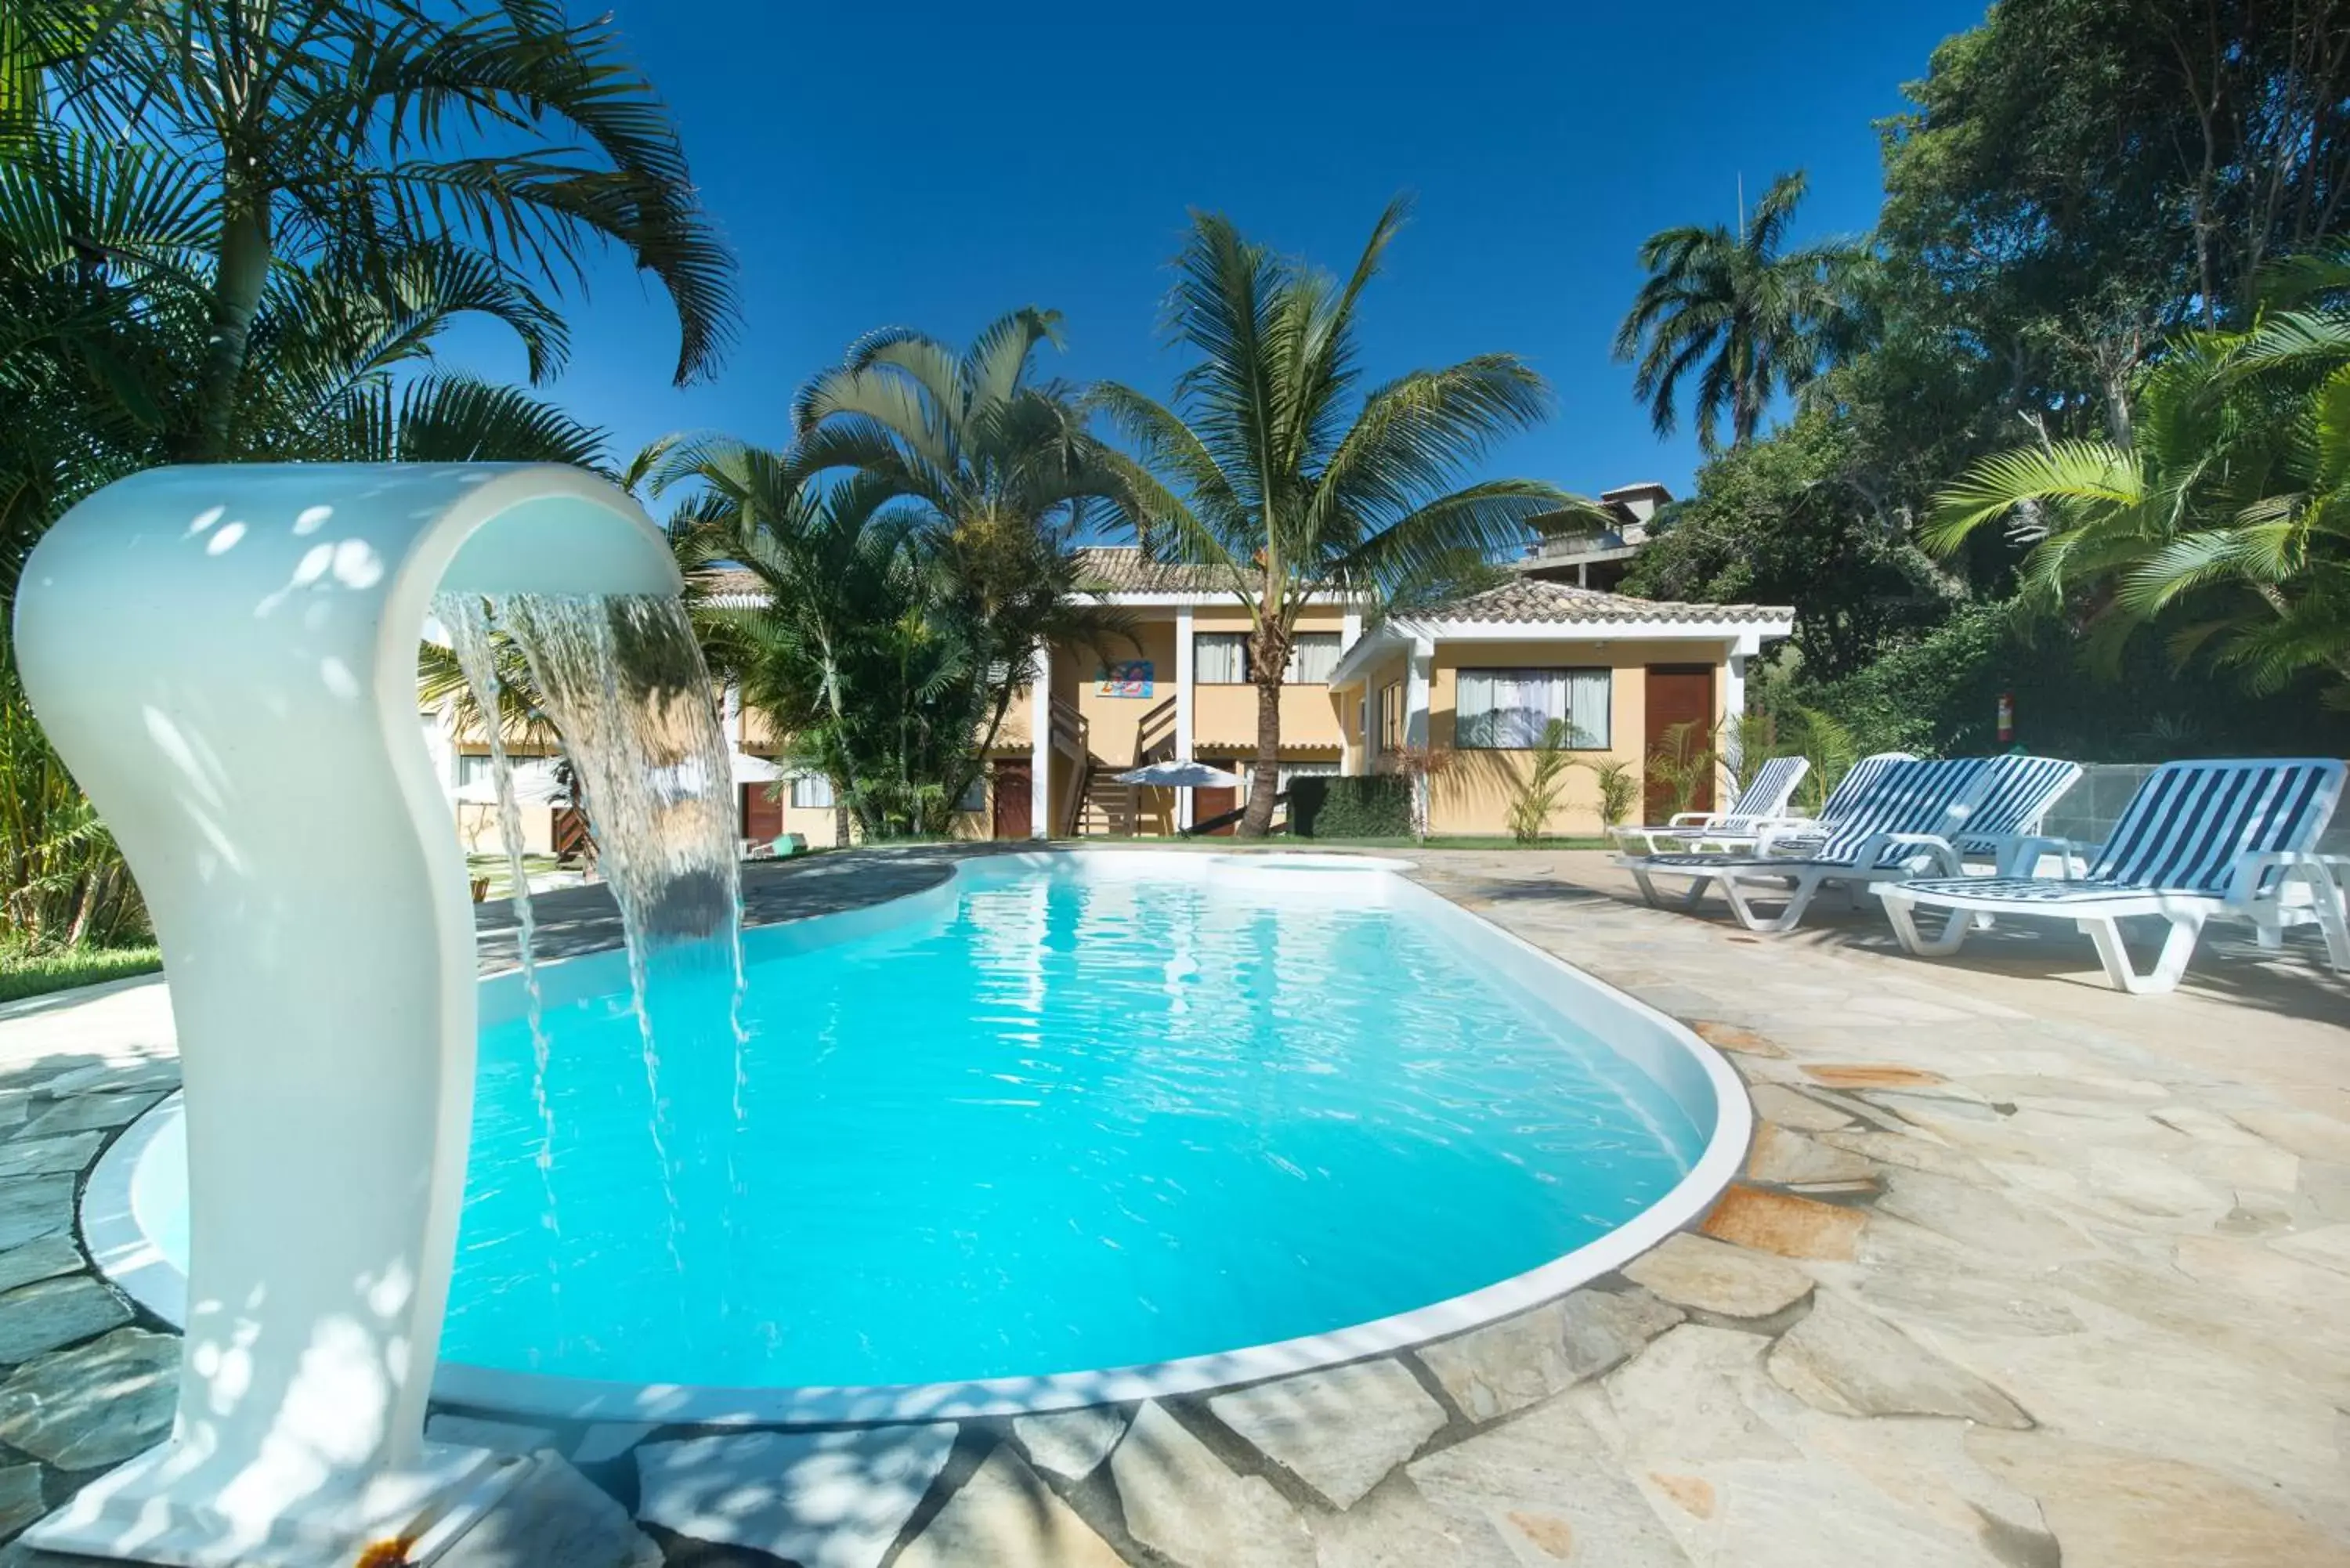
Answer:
(1001, 463)
(865, 648)
(2226, 510)
(1756, 318)
(1286, 480)
(344, 135)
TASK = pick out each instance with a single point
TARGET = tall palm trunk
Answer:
(245, 253)
(1269, 650)
(1264, 774)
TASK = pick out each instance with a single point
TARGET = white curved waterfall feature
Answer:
(225, 656)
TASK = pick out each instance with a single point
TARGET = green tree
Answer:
(1802, 517)
(865, 647)
(1275, 470)
(346, 138)
(2078, 178)
(999, 462)
(1747, 317)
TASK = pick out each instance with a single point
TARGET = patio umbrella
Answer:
(1180, 776)
(749, 769)
(534, 783)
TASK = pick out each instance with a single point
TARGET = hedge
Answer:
(1374, 806)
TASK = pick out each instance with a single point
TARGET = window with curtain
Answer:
(1312, 657)
(473, 768)
(1391, 717)
(811, 791)
(1220, 658)
(1510, 710)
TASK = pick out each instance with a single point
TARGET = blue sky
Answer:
(933, 166)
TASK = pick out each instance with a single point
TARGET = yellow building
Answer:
(1478, 679)
(1481, 679)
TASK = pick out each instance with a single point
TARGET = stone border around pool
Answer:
(1652, 1041)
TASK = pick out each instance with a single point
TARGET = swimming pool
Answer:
(1070, 1126)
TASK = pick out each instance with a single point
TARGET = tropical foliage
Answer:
(913, 550)
(2085, 201)
(1276, 470)
(1538, 795)
(2225, 514)
(239, 229)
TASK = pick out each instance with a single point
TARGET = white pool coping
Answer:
(1667, 1052)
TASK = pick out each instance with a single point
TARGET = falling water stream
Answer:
(622, 681)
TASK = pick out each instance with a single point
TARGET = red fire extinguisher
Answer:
(2007, 717)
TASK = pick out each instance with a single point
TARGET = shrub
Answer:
(1537, 797)
(1374, 806)
(1619, 789)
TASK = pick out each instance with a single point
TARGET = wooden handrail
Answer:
(1154, 734)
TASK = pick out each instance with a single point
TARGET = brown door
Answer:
(570, 832)
(1679, 695)
(1015, 814)
(762, 812)
(1207, 804)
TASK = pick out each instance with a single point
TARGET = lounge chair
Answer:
(2005, 827)
(1901, 823)
(1843, 801)
(1762, 801)
(1913, 820)
(2198, 839)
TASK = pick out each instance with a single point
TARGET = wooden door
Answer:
(1015, 789)
(1207, 804)
(1678, 694)
(570, 833)
(762, 812)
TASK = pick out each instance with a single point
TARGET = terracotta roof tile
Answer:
(1121, 569)
(1538, 599)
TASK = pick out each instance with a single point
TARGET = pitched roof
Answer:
(1531, 600)
(1121, 569)
(731, 587)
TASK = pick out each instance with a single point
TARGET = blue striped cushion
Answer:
(2023, 889)
(2022, 790)
(1774, 781)
(1858, 781)
(2184, 830)
(1851, 792)
(1907, 797)
(2189, 822)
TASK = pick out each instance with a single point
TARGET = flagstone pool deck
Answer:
(2021, 1272)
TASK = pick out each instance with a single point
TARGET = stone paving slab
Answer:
(2020, 1272)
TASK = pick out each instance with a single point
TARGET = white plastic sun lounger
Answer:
(1761, 801)
(1855, 800)
(2198, 839)
(1903, 824)
(1917, 817)
(2003, 829)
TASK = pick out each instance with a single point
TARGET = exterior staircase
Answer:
(1100, 806)
(1108, 806)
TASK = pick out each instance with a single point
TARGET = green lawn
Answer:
(493, 868)
(33, 974)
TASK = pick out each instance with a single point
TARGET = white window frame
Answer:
(1201, 642)
(1468, 735)
(814, 784)
(1328, 643)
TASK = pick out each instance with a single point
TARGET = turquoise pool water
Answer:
(1047, 1120)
